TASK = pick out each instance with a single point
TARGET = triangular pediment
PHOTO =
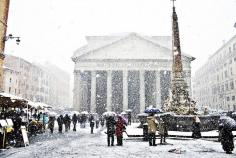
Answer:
(130, 47)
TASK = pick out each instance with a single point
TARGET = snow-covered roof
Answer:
(13, 97)
(98, 42)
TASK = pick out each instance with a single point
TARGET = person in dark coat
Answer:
(17, 122)
(60, 123)
(74, 120)
(92, 126)
(110, 123)
(226, 139)
(102, 121)
(67, 121)
(83, 120)
(97, 123)
(163, 130)
(129, 118)
(196, 128)
(119, 130)
(51, 123)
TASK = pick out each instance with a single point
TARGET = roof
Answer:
(99, 42)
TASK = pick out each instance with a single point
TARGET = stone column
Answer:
(76, 91)
(142, 90)
(158, 89)
(93, 91)
(125, 90)
(109, 90)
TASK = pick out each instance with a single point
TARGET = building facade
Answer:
(11, 81)
(214, 83)
(38, 83)
(120, 72)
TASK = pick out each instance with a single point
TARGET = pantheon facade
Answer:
(127, 71)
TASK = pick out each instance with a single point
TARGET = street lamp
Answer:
(10, 36)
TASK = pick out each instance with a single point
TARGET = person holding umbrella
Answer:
(152, 128)
(110, 123)
(226, 125)
(120, 125)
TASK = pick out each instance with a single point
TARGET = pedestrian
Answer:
(39, 116)
(102, 121)
(79, 120)
(51, 123)
(97, 123)
(74, 120)
(152, 128)
(60, 123)
(83, 120)
(129, 118)
(120, 125)
(110, 123)
(67, 121)
(196, 128)
(163, 130)
(92, 125)
(226, 138)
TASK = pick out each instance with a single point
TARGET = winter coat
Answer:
(119, 128)
(110, 125)
(60, 120)
(196, 129)
(51, 122)
(74, 119)
(67, 120)
(92, 123)
(152, 124)
(102, 122)
(163, 131)
(227, 139)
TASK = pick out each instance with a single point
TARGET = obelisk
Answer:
(179, 101)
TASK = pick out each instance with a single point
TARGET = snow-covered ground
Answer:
(82, 144)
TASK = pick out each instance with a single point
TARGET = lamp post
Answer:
(10, 36)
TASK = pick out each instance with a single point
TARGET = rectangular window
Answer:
(233, 98)
(228, 98)
(232, 85)
(226, 74)
(10, 80)
(9, 90)
(226, 87)
(222, 88)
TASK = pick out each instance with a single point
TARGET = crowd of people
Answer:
(115, 126)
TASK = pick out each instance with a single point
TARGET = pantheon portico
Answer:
(120, 72)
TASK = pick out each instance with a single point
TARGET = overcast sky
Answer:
(51, 30)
